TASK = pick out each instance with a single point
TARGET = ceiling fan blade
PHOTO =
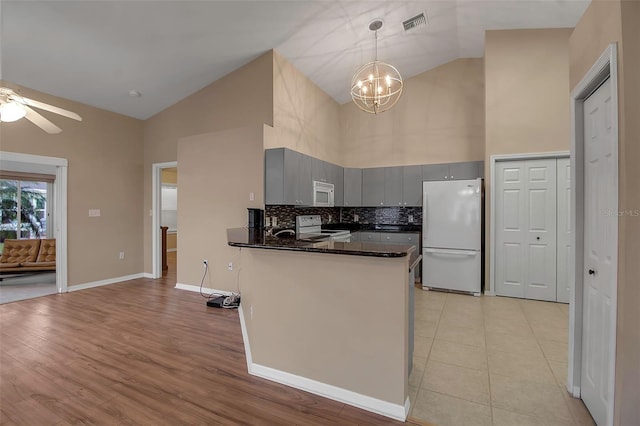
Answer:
(41, 122)
(50, 108)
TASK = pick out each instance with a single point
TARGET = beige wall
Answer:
(305, 118)
(605, 22)
(104, 154)
(329, 318)
(241, 98)
(526, 97)
(217, 171)
(439, 118)
(628, 359)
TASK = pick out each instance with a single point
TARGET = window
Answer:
(24, 208)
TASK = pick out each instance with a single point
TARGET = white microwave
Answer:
(322, 194)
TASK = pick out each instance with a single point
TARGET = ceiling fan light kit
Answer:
(14, 107)
(376, 86)
(11, 111)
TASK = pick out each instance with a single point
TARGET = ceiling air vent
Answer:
(415, 22)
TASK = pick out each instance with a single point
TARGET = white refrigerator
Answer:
(451, 235)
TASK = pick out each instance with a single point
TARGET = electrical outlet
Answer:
(121, 255)
(267, 221)
(205, 263)
(410, 218)
(252, 196)
(356, 218)
(274, 221)
(330, 217)
(251, 313)
(230, 267)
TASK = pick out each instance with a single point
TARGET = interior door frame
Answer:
(57, 166)
(156, 185)
(605, 67)
(491, 291)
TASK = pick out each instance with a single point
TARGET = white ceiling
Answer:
(95, 52)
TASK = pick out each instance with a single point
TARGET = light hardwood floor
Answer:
(141, 352)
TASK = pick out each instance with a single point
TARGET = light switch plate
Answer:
(94, 212)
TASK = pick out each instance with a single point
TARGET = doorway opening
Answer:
(164, 181)
(34, 207)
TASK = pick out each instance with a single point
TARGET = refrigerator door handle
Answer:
(470, 253)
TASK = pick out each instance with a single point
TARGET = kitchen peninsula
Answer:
(332, 318)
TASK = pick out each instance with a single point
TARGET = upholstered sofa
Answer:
(28, 255)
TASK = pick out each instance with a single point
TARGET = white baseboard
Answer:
(105, 282)
(394, 411)
(205, 290)
(147, 275)
(245, 339)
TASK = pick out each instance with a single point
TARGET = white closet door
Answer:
(565, 271)
(526, 229)
(600, 254)
(540, 205)
(510, 220)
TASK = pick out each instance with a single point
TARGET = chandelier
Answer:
(376, 86)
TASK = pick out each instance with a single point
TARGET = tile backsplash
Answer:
(287, 214)
(381, 215)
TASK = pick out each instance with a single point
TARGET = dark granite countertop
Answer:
(258, 238)
(378, 227)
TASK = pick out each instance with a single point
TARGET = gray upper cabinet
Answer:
(336, 177)
(435, 171)
(393, 186)
(412, 186)
(352, 187)
(467, 170)
(320, 170)
(373, 187)
(287, 177)
(453, 171)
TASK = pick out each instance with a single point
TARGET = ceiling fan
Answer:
(13, 107)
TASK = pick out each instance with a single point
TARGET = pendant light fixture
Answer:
(377, 85)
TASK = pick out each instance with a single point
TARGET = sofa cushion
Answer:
(19, 251)
(47, 251)
(27, 264)
(8, 265)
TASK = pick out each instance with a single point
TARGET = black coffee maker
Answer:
(256, 218)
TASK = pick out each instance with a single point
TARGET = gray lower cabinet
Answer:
(287, 177)
(369, 236)
(412, 186)
(373, 187)
(453, 171)
(352, 187)
(408, 238)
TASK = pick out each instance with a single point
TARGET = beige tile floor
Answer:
(491, 361)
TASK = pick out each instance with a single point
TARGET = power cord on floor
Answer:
(209, 296)
(231, 301)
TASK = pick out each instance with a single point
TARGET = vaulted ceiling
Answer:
(95, 52)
